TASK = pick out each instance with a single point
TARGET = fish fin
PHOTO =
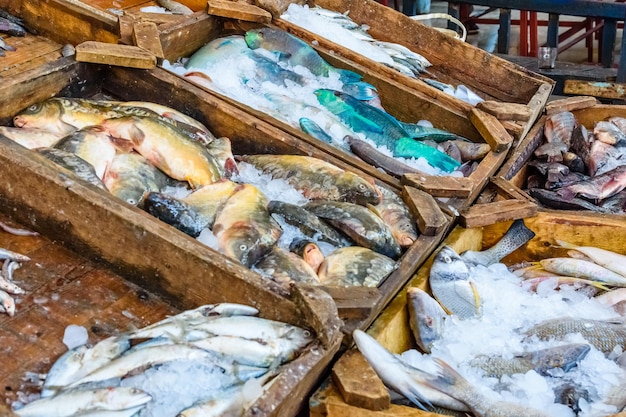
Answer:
(230, 167)
(476, 297)
(413, 395)
(360, 90)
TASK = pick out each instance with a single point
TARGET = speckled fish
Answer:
(284, 267)
(609, 133)
(316, 179)
(83, 169)
(373, 156)
(359, 223)
(559, 127)
(603, 335)
(309, 251)
(74, 402)
(244, 227)
(167, 148)
(565, 357)
(355, 266)
(130, 176)
(395, 213)
(598, 187)
(451, 285)
(516, 236)
(175, 212)
(426, 318)
(581, 268)
(93, 144)
(308, 223)
(31, 138)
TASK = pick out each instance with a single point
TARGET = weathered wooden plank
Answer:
(184, 37)
(430, 218)
(238, 10)
(499, 211)
(440, 186)
(491, 130)
(595, 89)
(358, 383)
(506, 111)
(570, 103)
(113, 54)
(516, 129)
(31, 52)
(509, 189)
(146, 36)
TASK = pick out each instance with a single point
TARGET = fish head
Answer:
(254, 38)
(45, 115)
(309, 251)
(426, 318)
(565, 357)
(244, 243)
(359, 190)
(448, 266)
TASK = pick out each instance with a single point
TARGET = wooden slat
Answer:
(32, 52)
(443, 186)
(506, 111)
(358, 383)
(237, 10)
(119, 55)
(146, 36)
(570, 103)
(595, 88)
(491, 130)
(484, 214)
(430, 219)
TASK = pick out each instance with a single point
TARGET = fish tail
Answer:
(448, 380)
(348, 76)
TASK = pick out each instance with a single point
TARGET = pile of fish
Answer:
(275, 72)
(171, 166)
(494, 345)
(215, 360)
(11, 261)
(10, 25)
(339, 28)
(579, 170)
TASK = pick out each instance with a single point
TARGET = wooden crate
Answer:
(392, 330)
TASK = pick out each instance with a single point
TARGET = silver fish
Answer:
(426, 318)
(516, 236)
(7, 303)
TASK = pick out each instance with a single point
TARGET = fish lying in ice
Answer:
(354, 266)
(581, 268)
(426, 318)
(452, 286)
(284, 267)
(610, 260)
(516, 236)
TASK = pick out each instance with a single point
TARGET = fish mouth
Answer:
(19, 121)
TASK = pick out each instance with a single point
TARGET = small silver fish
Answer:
(517, 235)
(426, 318)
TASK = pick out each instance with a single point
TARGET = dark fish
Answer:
(559, 127)
(284, 267)
(11, 28)
(307, 222)
(541, 361)
(516, 236)
(359, 223)
(565, 180)
(426, 318)
(555, 171)
(553, 200)
(74, 163)
(372, 156)
(355, 266)
(452, 150)
(570, 394)
(598, 187)
(615, 204)
(175, 212)
(603, 335)
(309, 251)
(574, 162)
(535, 181)
(581, 143)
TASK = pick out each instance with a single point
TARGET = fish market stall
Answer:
(536, 298)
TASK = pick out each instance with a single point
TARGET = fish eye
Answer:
(34, 107)
(132, 201)
(243, 247)
(447, 259)
(362, 187)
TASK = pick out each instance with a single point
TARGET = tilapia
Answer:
(598, 187)
(610, 260)
(307, 222)
(70, 161)
(603, 335)
(581, 268)
(608, 132)
(175, 212)
(74, 402)
(244, 227)
(559, 127)
(359, 223)
(373, 156)
(604, 157)
(426, 318)
(401, 377)
(309, 251)
(31, 138)
(355, 266)
(316, 179)
(396, 214)
(129, 176)
(451, 284)
(284, 267)
(516, 236)
(167, 148)
(541, 361)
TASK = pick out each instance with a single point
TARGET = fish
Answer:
(604, 157)
(73, 163)
(308, 223)
(309, 251)
(9, 255)
(167, 148)
(175, 7)
(359, 223)
(570, 395)
(309, 127)
(129, 176)
(450, 382)
(515, 237)
(551, 151)
(5, 47)
(542, 361)
(285, 267)
(574, 162)
(603, 335)
(31, 138)
(7, 303)
(73, 402)
(354, 266)
(612, 261)
(565, 180)
(609, 133)
(221, 149)
(581, 268)
(420, 132)
(451, 284)
(396, 214)
(373, 156)
(9, 287)
(581, 143)
(316, 179)
(472, 151)
(615, 204)
(209, 199)
(93, 144)
(175, 212)
(450, 148)
(401, 377)
(554, 200)
(598, 187)
(559, 127)
(244, 227)
(10, 27)
(426, 318)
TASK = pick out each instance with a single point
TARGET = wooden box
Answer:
(391, 328)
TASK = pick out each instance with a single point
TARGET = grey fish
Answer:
(359, 223)
(553, 200)
(551, 151)
(426, 318)
(516, 236)
(615, 204)
(174, 6)
(598, 187)
(541, 361)
(450, 284)
(354, 266)
(307, 222)
(604, 157)
(175, 212)
(372, 156)
(284, 267)
(608, 132)
(83, 169)
(570, 394)
(11, 28)
(603, 335)
(565, 180)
